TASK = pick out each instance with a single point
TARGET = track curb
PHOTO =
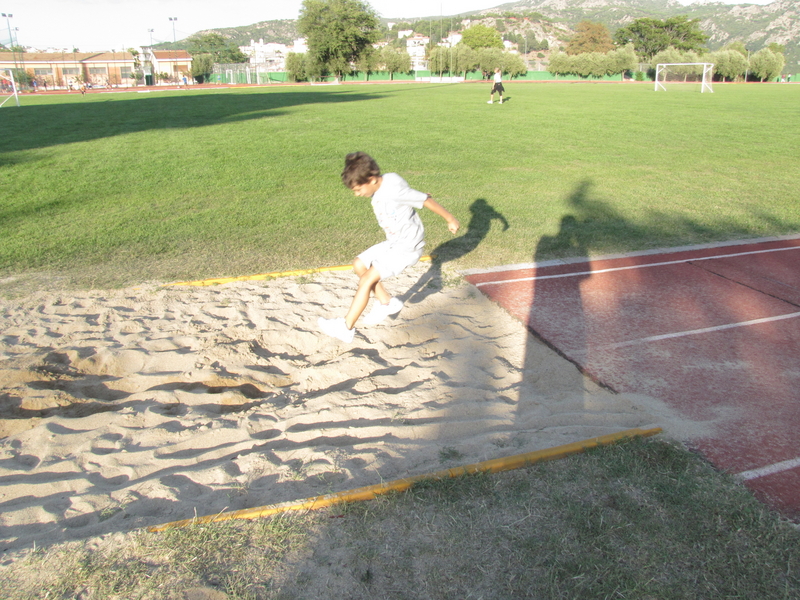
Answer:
(371, 492)
(273, 275)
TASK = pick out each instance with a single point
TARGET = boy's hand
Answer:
(452, 223)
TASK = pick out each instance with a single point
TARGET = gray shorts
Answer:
(389, 261)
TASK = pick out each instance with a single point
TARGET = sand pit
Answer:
(127, 408)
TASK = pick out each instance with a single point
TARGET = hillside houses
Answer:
(272, 56)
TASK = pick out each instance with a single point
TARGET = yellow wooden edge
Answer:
(274, 275)
(370, 492)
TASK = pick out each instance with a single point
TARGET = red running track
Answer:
(714, 332)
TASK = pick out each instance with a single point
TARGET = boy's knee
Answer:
(369, 277)
(359, 267)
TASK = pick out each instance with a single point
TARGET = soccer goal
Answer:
(685, 73)
(8, 86)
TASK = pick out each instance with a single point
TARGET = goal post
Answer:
(9, 86)
(684, 70)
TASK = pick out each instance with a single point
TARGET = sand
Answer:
(127, 408)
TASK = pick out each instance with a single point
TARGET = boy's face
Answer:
(367, 190)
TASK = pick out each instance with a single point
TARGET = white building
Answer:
(272, 56)
(451, 40)
(416, 46)
(299, 46)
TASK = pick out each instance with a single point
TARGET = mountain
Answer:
(757, 26)
(279, 32)
(283, 31)
(555, 20)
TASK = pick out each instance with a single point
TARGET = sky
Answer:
(92, 25)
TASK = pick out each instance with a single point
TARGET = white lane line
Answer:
(769, 469)
(658, 264)
(666, 336)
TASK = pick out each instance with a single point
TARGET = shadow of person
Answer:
(554, 298)
(557, 314)
(560, 300)
(480, 223)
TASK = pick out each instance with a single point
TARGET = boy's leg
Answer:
(369, 281)
(380, 292)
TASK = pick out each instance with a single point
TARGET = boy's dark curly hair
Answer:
(359, 168)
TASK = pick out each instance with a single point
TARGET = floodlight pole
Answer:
(173, 19)
(8, 17)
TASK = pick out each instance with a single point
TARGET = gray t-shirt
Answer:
(394, 203)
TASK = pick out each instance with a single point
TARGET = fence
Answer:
(242, 74)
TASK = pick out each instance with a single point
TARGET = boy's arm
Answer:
(452, 223)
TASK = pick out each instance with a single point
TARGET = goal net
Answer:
(8, 87)
(681, 73)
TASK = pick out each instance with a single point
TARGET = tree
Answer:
(368, 61)
(439, 60)
(673, 55)
(137, 63)
(738, 46)
(766, 64)
(296, 66)
(651, 36)
(590, 37)
(481, 36)
(202, 67)
(395, 61)
(338, 32)
(777, 48)
(22, 77)
(530, 42)
(464, 59)
(217, 46)
(684, 34)
(729, 64)
(594, 64)
(435, 29)
(622, 59)
(401, 26)
(513, 65)
(489, 59)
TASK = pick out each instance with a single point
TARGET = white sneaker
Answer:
(489, 102)
(337, 328)
(380, 311)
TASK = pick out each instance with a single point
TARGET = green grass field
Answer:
(110, 189)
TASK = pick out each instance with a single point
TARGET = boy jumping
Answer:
(393, 202)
